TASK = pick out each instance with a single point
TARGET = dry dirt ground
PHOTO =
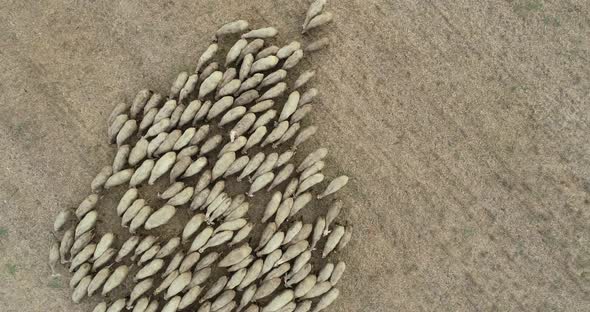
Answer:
(464, 125)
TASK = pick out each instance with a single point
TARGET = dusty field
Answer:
(464, 125)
